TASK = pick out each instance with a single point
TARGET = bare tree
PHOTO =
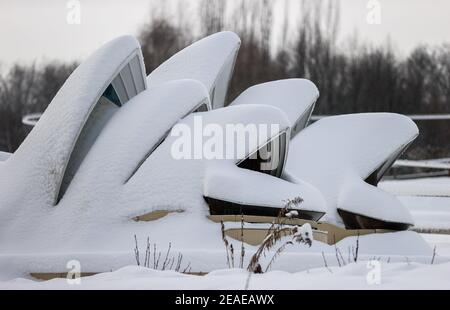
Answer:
(361, 78)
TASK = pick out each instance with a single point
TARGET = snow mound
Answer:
(360, 276)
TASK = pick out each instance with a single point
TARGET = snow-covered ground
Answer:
(441, 242)
(405, 262)
(437, 186)
(360, 276)
(427, 199)
(408, 271)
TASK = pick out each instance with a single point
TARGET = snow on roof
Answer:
(261, 121)
(131, 135)
(337, 154)
(101, 202)
(362, 198)
(295, 97)
(39, 163)
(130, 169)
(210, 61)
(246, 187)
(4, 156)
(166, 182)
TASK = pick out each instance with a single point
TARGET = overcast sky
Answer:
(38, 29)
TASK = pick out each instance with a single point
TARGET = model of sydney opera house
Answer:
(106, 161)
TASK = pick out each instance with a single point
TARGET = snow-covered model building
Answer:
(345, 157)
(118, 154)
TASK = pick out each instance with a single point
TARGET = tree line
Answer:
(353, 77)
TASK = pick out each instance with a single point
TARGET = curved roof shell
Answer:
(41, 160)
(295, 97)
(209, 60)
(338, 154)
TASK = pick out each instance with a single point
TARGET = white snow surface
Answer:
(4, 156)
(439, 241)
(433, 187)
(93, 221)
(97, 196)
(242, 186)
(200, 243)
(363, 198)
(428, 212)
(210, 61)
(427, 199)
(393, 276)
(120, 177)
(39, 163)
(245, 129)
(293, 96)
(336, 154)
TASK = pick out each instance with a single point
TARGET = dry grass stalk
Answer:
(167, 256)
(275, 233)
(434, 255)
(340, 256)
(356, 252)
(169, 263)
(326, 263)
(147, 254)
(188, 268)
(157, 261)
(136, 251)
(232, 255)
(241, 261)
(407, 260)
(336, 252)
(226, 243)
(277, 253)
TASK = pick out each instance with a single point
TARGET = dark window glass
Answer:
(111, 95)
(358, 221)
(378, 174)
(267, 156)
(222, 207)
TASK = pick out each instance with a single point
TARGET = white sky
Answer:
(37, 29)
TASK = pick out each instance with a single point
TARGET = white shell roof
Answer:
(4, 156)
(263, 121)
(131, 135)
(242, 186)
(117, 180)
(40, 161)
(338, 153)
(293, 96)
(210, 61)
